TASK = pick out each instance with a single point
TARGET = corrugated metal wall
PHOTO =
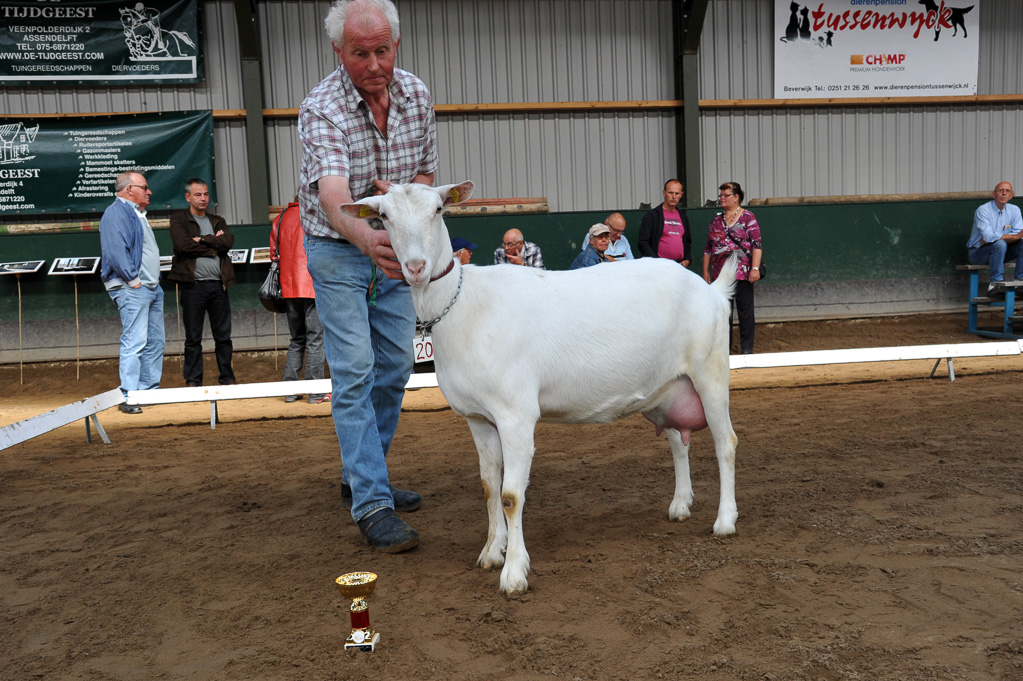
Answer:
(855, 150)
(483, 51)
(480, 51)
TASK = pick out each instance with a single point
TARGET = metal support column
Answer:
(689, 16)
(252, 97)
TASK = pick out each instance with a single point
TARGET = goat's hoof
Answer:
(489, 562)
(723, 527)
(678, 512)
(514, 587)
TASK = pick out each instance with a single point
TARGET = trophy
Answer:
(358, 586)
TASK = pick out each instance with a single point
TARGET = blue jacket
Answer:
(591, 256)
(120, 238)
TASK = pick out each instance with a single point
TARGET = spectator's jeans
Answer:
(198, 300)
(306, 339)
(995, 255)
(142, 341)
(368, 336)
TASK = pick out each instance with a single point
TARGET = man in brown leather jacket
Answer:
(203, 269)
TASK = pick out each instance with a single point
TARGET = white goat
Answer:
(515, 345)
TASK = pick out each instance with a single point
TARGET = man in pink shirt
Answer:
(664, 231)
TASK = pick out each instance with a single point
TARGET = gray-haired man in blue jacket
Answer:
(131, 274)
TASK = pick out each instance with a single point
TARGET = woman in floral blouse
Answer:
(736, 229)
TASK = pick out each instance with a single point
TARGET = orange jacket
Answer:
(295, 279)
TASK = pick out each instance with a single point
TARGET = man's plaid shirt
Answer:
(530, 253)
(339, 137)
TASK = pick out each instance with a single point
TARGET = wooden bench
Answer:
(1008, 304)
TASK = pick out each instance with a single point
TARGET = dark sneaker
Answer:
(995, 290)
(319, 399)
(291, 398)
(129, 408)
(405, 501)
(385, 531)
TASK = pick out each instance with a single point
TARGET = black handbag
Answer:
(270, 292)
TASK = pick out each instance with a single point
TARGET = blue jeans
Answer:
(142, 340)
(368, 338)
(306, 340)
(995, 255)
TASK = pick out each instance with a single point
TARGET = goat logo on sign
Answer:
(146, 39)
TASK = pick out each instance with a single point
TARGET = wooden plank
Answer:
(62, 416)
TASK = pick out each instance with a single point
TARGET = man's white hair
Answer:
(341, 10)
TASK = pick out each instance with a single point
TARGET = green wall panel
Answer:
(802, 244)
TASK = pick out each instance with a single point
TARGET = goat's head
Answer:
(412, 216)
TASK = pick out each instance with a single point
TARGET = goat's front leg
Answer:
(683, 499)
(488, 446)
(517, 444)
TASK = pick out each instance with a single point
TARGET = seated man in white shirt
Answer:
(619, 248)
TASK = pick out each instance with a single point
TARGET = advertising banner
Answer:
(68, 165)
(875, 48)
(99, 42)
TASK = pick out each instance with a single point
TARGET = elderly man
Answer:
(131, 275)
(664, 231)
(618, 248)
(997, 237)
(366, 125)
(596, 250)
(463, 249)
(517, 251)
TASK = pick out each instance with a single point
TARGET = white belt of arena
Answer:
(88, 408)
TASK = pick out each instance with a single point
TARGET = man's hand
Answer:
(379, 249)
(196, 239)
(514, 259)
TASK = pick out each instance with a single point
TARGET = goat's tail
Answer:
(725, 283)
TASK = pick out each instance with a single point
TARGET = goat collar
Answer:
(425, 328)
(444, 273)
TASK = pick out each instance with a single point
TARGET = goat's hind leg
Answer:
(488, 446)
(683, 499)
(713, 390)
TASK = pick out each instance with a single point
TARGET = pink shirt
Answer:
(670, 246)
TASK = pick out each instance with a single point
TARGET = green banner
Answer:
(68, 165)
(99, 42)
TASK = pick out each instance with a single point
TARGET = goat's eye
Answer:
(383, 216)
(440, 209)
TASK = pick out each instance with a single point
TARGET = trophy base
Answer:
(367, 646)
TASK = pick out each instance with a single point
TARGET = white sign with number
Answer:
(422, 349)
(832, 49)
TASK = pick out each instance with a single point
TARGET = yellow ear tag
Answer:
(455, 196)
(365, 212)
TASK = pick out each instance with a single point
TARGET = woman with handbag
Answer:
(736, 229)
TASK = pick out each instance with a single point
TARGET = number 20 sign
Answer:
(422, 348)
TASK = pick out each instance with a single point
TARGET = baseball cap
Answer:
(458, 243)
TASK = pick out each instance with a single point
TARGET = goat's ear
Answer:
(363, 211)
(456, 193)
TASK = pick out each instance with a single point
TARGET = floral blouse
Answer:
(719, 246)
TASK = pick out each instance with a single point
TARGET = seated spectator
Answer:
(618, 248)
(517, 251)
(997, 237)
(463, 249)
(596, 250)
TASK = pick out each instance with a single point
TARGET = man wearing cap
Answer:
(463, 249)
(618, 246)
(596, 250)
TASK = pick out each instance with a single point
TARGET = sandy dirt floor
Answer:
(880, 535)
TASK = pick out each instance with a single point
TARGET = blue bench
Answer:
(1008, 304)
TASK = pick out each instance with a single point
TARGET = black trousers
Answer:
(742, 303)
(197, 301)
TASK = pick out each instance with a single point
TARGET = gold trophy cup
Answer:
(358, 586)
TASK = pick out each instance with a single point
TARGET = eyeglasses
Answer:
(723, 196)
(143, 187)
(512, 244)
